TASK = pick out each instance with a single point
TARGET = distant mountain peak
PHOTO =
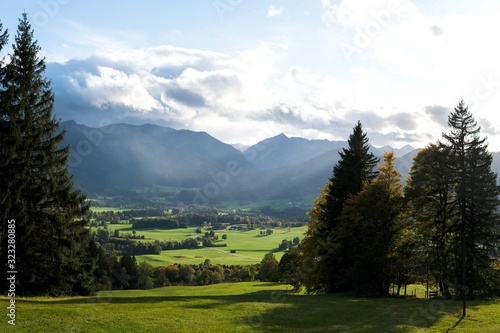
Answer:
(281, 136)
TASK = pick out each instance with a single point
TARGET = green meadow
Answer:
(249, 245)
(245, 307)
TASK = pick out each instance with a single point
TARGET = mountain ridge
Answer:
(117, 158)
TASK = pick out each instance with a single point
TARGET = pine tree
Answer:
(477, 200)
(355, 167)
(52, 244)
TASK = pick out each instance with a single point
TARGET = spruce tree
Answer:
(11, 179)
(477, 200)
(52, 253)
(355, 167)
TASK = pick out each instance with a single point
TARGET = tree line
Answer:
(366, 232)
(123, 272)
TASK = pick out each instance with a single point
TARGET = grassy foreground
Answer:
(244, 307)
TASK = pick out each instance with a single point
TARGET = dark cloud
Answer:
(487, 127)
(187, 97)
(403, 121)
(438, 114)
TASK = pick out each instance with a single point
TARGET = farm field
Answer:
(249, 245)
(245, 307)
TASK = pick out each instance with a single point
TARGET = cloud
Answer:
(436, 30)
(488, 128)
(360, 14)
(237, 98)
(438, 113)
(173, 86)
(273, 11)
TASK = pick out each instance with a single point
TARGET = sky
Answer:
(246, 70)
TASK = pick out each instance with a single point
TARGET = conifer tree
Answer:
(477, 201)
(52, 238)
(368, 231)
(429, 192)
(355, 167)
(7, 154)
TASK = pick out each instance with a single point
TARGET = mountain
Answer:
(115, 159)
(294, 182)
(398, 152)
(281, 151)
(119, 157)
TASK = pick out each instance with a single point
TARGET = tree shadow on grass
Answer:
(279, 311)
(258, 296)
(334, 313)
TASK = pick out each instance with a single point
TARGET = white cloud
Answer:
(411, 63)
(273, 11)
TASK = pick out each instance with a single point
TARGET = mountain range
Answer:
(115, 159)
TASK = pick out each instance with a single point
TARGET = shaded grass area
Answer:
(246, 307)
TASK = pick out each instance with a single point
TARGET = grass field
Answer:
(250, 246)
(244, 307)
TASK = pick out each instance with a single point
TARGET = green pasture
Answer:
(245, 307)
(107, 209)
(249, 245)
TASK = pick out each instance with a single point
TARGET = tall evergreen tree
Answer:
(10, 181)
(52, 254)
(355, 167)
(368, 232)
(477, 200)
(429, 192)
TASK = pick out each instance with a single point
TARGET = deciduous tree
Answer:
(268, 269)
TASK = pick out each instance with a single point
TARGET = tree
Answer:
(268, 269)
(289, 268)
(11, 182)
(129, 272)
(429, 193)
(314, 248)
(145, 276)
(186, 273)
(207, 263)
(477, 199)
(370, 225)
(52, 241)
(355, 168)
(285, 244)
